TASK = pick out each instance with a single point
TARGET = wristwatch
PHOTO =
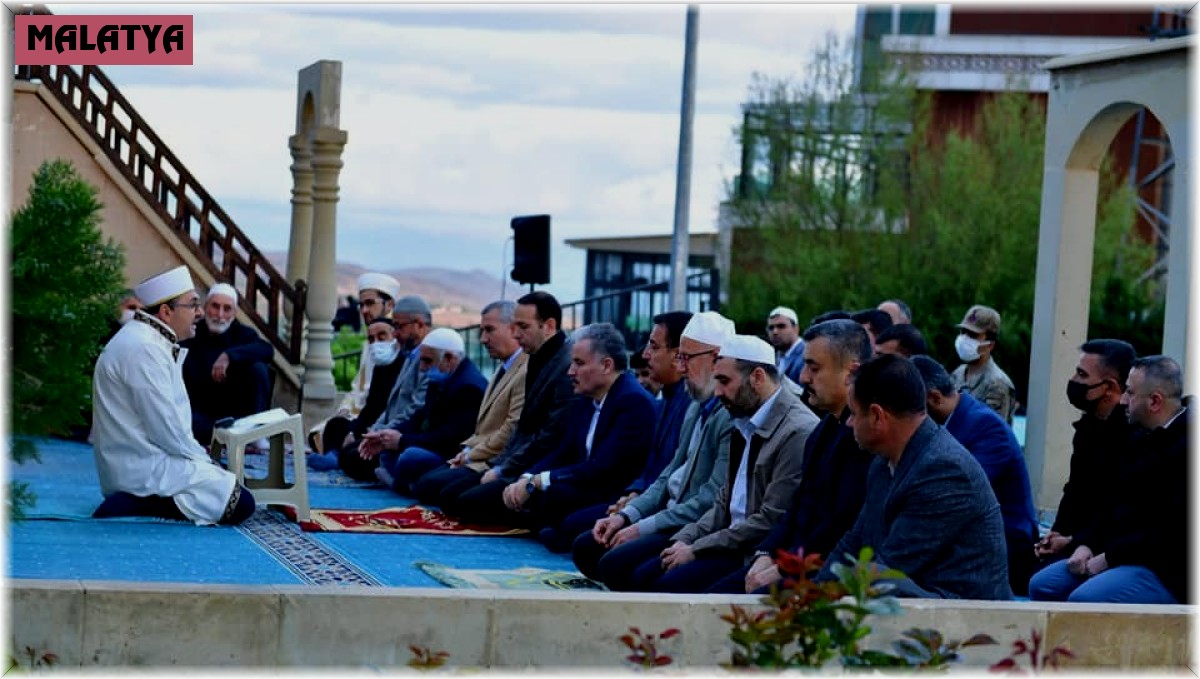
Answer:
(529, 487)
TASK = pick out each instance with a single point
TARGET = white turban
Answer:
(164, 286)
(381, 282)
(709, 327)
(748, 348)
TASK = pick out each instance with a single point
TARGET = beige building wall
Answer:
(39, 135)
(43, 130)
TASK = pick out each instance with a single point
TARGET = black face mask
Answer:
(1077, 395)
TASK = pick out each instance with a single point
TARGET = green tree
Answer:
(66, 283)
(859, 206)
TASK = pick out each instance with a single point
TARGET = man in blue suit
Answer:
(607, 439)
(436, 431)
(991, 441)
(929, 511)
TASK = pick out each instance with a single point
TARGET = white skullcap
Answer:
(748, 348)
(164, 286)
(222, 289)
(444, 339)
(786, 313)
(381, 282)
(709, 327)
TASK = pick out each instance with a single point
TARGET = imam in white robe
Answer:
(142, 426)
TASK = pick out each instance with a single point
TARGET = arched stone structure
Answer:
(316, 149)
(1091, 97)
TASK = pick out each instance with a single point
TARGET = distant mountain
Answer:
(456, 296)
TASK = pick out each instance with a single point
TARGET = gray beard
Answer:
(217, 328)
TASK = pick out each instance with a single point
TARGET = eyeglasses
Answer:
(684, 358)
(194, 304)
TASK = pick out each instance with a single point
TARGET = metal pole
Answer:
(683, 176)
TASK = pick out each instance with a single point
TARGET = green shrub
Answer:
(66, 283)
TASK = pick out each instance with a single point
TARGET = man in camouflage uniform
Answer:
(979, 375)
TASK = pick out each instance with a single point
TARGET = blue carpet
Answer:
(265, 550)
(98, 550)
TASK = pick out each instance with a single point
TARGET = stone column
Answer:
(320, 391)
(302, 217)
(1060, 320)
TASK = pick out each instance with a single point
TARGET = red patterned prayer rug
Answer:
(414, 519)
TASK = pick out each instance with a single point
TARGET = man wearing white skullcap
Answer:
(147, 460)
(783, 329)
(434, 433)
(766, 453)
(227, 371)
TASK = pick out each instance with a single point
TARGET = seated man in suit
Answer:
(618, 543)
(671, 406)
(434, 433)
(834, 480)
(992, 442)
(766, 452)
(226, 369)
(1136, 550)
(929, 510)
(411, 317)
(340, 431)
(542, 425)
(1102, 433)
(605, 444)
(499, 412)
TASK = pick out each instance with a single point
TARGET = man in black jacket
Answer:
(548, 395)
(387, 359)
(1101, 433)
(834, 479)
(435, 432)
(1136, 550)
(225, 371)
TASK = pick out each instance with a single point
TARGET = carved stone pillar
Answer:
(302, 215)
(319, 389)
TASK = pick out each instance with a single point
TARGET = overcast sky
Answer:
(460, 117)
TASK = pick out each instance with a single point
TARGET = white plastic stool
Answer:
(273, 488)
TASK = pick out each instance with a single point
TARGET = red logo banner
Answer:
(103, 40)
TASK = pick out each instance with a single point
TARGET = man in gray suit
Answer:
(930, 511)
(413, 321)
(766, 455)
(685, 489)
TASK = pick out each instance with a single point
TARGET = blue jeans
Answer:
(411, 465)
(1118, 585)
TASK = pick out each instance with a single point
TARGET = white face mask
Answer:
(383, 353)
(126, 316)
(967, 348)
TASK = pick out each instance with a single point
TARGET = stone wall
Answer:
(92, 623)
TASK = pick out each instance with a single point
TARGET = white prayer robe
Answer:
(142, 427)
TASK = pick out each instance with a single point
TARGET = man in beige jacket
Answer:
(499, 412)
